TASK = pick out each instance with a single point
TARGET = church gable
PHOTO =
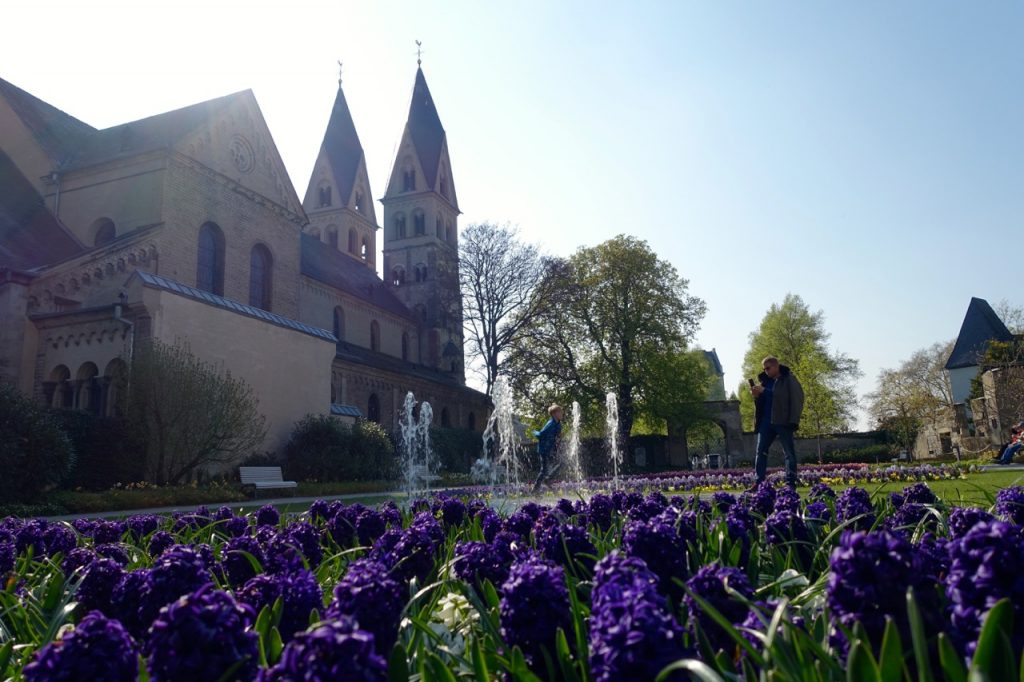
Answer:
(407, 173)
(234, 140)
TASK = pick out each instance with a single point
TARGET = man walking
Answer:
(778, 404)
(547, 442)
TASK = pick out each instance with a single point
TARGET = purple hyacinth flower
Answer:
(633, 635)
(368, 593)
(963, 519)
(299, 592)
(267, 515)
(534, 605)
(98, 649)
(985, 566)
(334, 650)
(202, 637)
(95, 591)
(855, 503)
(1010, 504)
(476, 562)
(714, 583)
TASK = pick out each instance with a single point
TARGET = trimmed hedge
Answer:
(322, 448)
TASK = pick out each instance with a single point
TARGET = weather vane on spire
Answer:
(419, 53)
(339, 73)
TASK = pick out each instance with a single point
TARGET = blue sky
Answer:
(867, 156)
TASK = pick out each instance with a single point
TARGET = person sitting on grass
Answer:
(1007, 452)
(547, 443)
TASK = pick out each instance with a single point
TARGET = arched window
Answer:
(373, 409)
(360, 203)
(409, 180)
(104, 231)
(446, 421)
(332, 236)
(88, 388)
(60, 383)
(353, 240)
(260, 277)
(399, 225)
(364, 251)
(116, 377)
(210, 265)
(324, 196)
(375, 335)
(405, 346)
(419, 222)
(398, 275)
(439, 228)
(339, 323)
(315, 231)
(471, 421)
(421, 272)
(449, 234)
(421, 313)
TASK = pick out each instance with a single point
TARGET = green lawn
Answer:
(977, 489)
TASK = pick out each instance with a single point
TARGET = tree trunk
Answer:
(625, 417)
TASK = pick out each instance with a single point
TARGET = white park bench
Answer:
(263, 478)
(420, 478)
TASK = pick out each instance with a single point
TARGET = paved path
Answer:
(248, 504)
(1001, 467)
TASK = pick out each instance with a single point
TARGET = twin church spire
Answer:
(420, 216)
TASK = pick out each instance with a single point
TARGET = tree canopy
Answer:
(797, 336)
(618, 319)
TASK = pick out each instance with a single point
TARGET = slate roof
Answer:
(345, 411)
(326, 264)
(712, 358)
(155, 132)
(176, 287)
(30, 236)
(426, 129)
(59, 133)
(341, 143)
(981, 325)
(370, 358)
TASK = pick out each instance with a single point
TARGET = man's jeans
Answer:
(765, 437)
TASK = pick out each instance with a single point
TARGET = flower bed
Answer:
(626, 586)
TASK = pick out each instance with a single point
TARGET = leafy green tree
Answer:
(193, 415)
(619, 319)
(797, 336)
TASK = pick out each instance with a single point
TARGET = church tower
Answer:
(338, 200)
(421, 234)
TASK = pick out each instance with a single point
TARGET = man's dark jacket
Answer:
(787, 400)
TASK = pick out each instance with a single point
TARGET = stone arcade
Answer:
(184, 226)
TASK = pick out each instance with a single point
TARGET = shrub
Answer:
(35, 454)
(869, 454)
(322, 448)
(107, 450)
(455, 449)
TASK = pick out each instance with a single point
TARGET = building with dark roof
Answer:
(185, 227)
(981, 325)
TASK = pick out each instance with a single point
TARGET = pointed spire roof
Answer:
(342, 146)
(425, 127)
(981, 325)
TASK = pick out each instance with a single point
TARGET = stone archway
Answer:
(724, 413)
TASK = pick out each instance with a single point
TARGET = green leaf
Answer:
(566, 663)
(5, 657)
(920, 641)
(890, 660)
(698, 670)
(994, 658)
(952, 666)
(479, 663)
(729, 628)
(274, 647)
(143, 670)
(398, 665)
(438, 669)
(861, 665)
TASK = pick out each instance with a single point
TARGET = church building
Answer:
(185, 227)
